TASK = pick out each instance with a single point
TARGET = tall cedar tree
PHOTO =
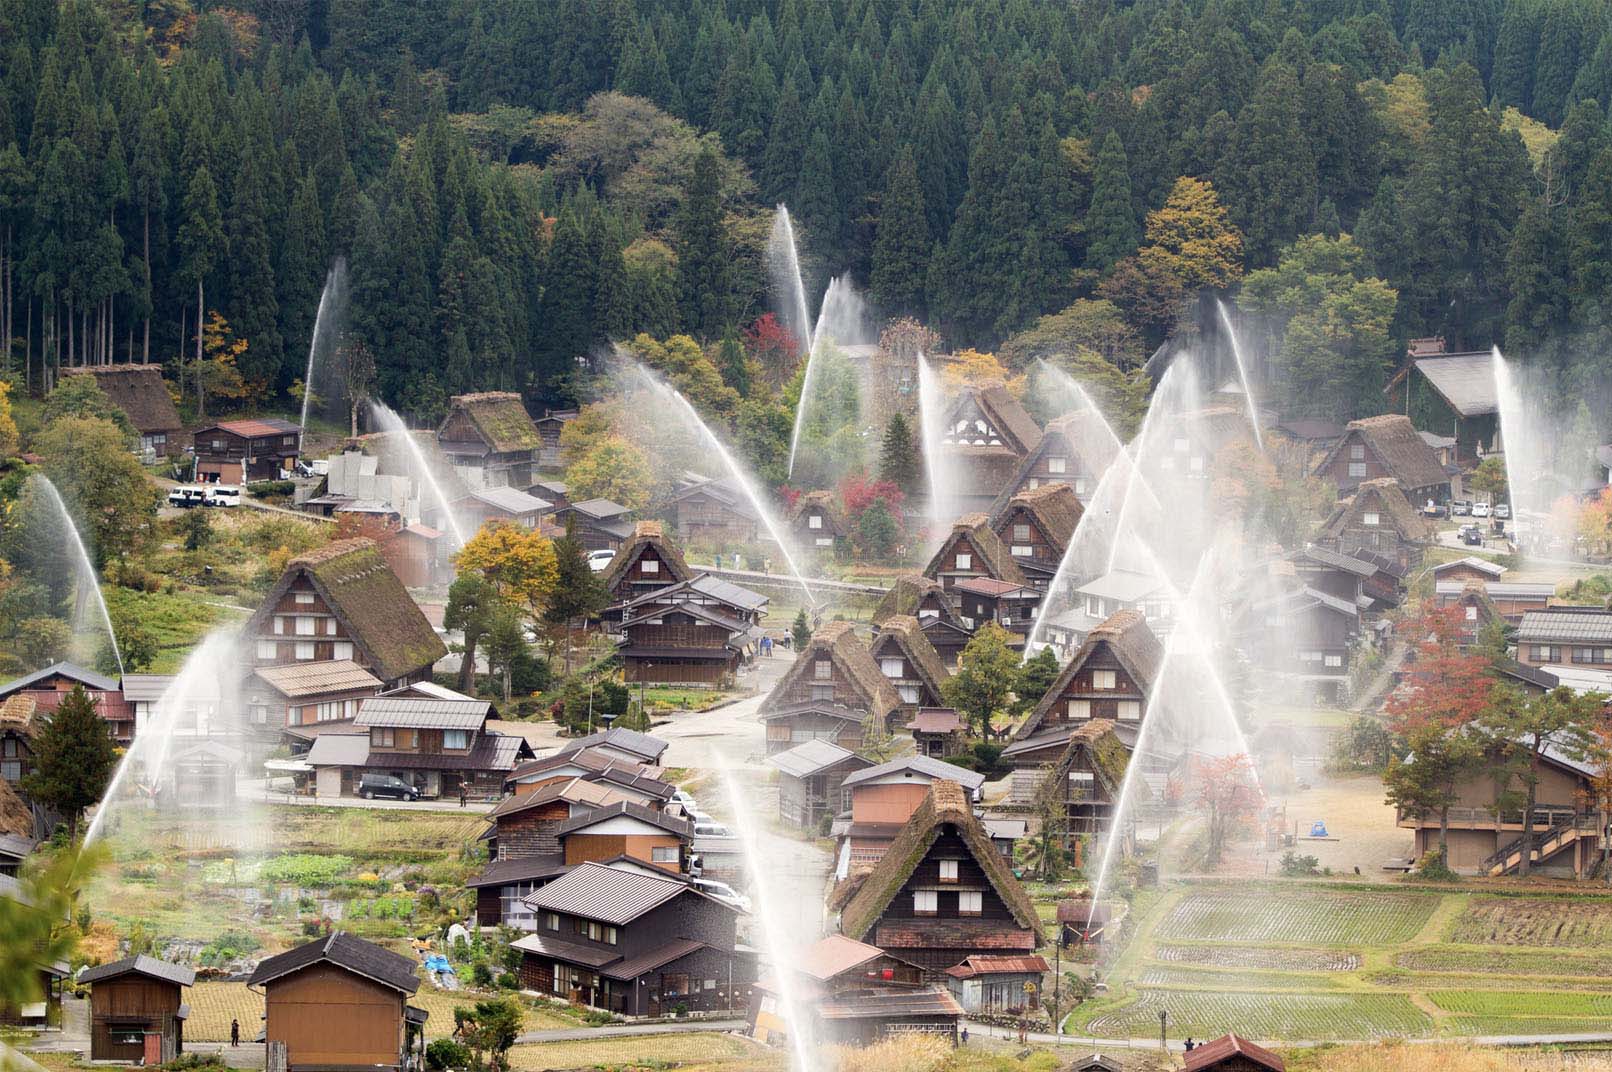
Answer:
(704, 259)
(733, 363)
(1111, 221)
(473, 604)
(578, 591)
(898, 455)
(801, 631)
(73, 758)
(901, 243)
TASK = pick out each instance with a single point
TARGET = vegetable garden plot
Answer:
(1302, 916)
(1234, 956)
(1504, 962)
(1521, 921)
(1266, 1015)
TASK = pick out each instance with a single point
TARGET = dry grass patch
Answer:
(214, 1005)
(1525, 921)
(1402, 1057)
(707, 1049)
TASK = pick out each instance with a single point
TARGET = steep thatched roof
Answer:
(1018, 429)
(1126, 634)
(1080, 438)
(16, 817)
(824, 503)
(907, 593)
(647, 534)
(907, 633)
(1053, 506)
(1396, 444)
(361, 590)
(139, 391)
(17, 712)
(995, 560)
(1106, 756)
(1391, 503)
(500, 418)
(838, 641)
(946, 804)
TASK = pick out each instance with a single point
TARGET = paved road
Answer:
(729, 737)
(588, 1034)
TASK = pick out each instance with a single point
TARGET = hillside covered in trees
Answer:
(514, 184)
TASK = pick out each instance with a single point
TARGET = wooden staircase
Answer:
(1544, 844)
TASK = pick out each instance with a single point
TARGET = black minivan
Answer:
(371, 786)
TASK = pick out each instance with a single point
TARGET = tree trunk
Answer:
(467, 668)
(1528, 814)
(70, 339)
(1444, 836)
(145, 347)
(506, 681)
(28, 352)
(201, 394)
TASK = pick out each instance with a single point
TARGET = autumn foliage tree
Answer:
(1227, 793)
(519, 563)
(1443, 685)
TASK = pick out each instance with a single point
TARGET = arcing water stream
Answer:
(783, 263)
(388, 421)
(88, 588)
(1242, 372)
(332, 306)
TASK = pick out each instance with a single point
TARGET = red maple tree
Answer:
(858, 493)
(1442, 685)
(1228, 792)
(770, 343)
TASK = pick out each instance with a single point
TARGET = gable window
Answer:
(1023, 550)
(268, 649)
(1102, 679)
(823, 692)
(965, 561)
(970, 902)
(457, 739)
(823, 669)
(892, 667)
(279, 624)
(1079, 708)
(305, 598)
(1080, 485)
(948, 870)
(1130, 710)
(1180, 445)
(1057, 465)
(305, 625)
(330, 627)
(305, 649)
(814, 521)
(342, 649)
(1021, 533)
(925, 902)
(1370, 517)
(1472, 614)
(1357, 452)
(649, 565)
(928, 612)
(1334, 660)
(1357, 468)
(825, 541)
(909, 693)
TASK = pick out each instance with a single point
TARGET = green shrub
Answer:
(481, 974)
(507, 981)
(444, 1054)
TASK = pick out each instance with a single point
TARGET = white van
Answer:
(224, 495)
(187, 495)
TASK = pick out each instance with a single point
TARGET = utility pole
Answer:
(1164, 1020)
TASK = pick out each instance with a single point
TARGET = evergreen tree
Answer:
(73, 758)
(1110, 223)
(578, 591)
(1270, 171)
(898, 455)
(703, 255)
(300, 277)
(801, 631)
(733, 363)
(901, 243)
(201, 237)
(253, 311)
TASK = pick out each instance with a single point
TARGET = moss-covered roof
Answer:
(906, 593)
(1390, 500)
(993, 553)
(140, 392)
(1126, 634)
(1053, 506)
(946, 804)
(826, 504)
(838, 640)
(1105, 754)
(369, 599)
(502, 420)
(907, 633)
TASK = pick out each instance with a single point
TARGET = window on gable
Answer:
(1021, 533)
(892, 667)
(1102, 679)
(1357, 468)
(1371, 517)
(1357, 452)
(970, 903)
(823, 669)
(814, 521)
(948, 870)
(925, 902)
(965, 561)
(1057, 465)
(649, 565)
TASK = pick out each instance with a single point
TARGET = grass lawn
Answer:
(693, 1049)
(177, 620)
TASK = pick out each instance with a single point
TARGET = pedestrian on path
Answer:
(234, 1032)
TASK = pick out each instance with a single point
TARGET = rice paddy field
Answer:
(1309, 963)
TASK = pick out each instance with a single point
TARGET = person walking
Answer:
(234, 1032)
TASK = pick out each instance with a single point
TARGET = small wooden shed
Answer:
(138, 1010)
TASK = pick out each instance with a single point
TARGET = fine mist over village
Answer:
(776, 536)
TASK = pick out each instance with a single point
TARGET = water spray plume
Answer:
(89, 583)
(783, 262)
(331, 301)
(1242, 373)
(841, 320)
(932, 419)
(388, 421)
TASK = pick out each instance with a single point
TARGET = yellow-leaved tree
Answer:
(518, 562)
(8, 426)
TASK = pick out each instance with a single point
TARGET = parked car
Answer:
(371, 786)
(1460, 507)
(722, 892)
(1471, 535)
(708, 827)
(187, 495)
(1502, 511)
(1480, 509)
(227, 495)
(599, 560)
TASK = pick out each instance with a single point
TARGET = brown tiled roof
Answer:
(835, 955)
(993, 553)
(906, 593)
(825, 502)
(361, 589)
(311, 679)
(1391, 501)
(1211, 1053)
(946, 804)
(576, 791)
(256, 427)
(648, 534)
(838, 640)
(1132, 642)
(1054, 507)
(501, 420)
(972, 966)
(907, 633)
(139, 391)
(936, 720)
(1393, 439)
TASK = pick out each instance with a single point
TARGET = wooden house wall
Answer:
(530, 832)
(581, 848)
(636, 580)
(328, 1017)
(1082, 686)
(1337, 473)
(133, 1000)
(699, 515)
(1042, 551)
(804, 684)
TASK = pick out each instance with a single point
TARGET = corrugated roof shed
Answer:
(809, 757)
(427, 714)
(1566, 624)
